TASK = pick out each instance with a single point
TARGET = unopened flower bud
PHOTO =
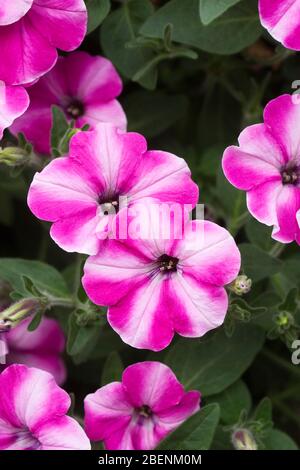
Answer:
(13, 156)
(242, 439)
(284, 320)
(241, 285)
(17, 312)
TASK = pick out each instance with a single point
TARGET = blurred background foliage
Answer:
(195, 73)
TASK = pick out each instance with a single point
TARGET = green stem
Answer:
(61, 302)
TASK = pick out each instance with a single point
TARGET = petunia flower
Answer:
(31, 31)
(282, 20)
(83, 86)
(14, 101)
(103, 166)
(140, 411)
(166, 282)
(33, 413)
(40, 348)
(267, 165)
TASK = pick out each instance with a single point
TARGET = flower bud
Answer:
(17, 312)
(241, 285)
(13, 156)
(284, 321)
(242, 439)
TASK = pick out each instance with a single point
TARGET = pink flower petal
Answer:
(110, 111)
(166, 177)
(30, 397)
(107, 411)
(40, 348)
(23, 45)
(261, 202)
(62, 22)
(288, 205)
(174, 416)
(113, 273)
(62, 433)
(216, 260)
(142, 318)
(48, 337)
(92, 79)
(281, 18)
(152, 384)
(12, 10)
(195, 307)
(282, 116)
(48, 362)
(110, 153)
(36, 125)
(29, 45)
(257, 160)
(13, 103)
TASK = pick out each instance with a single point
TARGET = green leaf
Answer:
(160, 111)
(59, 128)
(97, 12)
(210, 160)
(213, 364)
(113, 369)
(212, 9)
(232, 32)
(257, 264)
(118, 29)
(259, 234)
(81, 339)
(234, 203)
(215, 124)
(278, 440)
(44, 277)
(35, 322)
(290, 303)
(233, 401)
(196, 433)
(263, 411)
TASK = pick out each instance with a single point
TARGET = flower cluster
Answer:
(128, 208)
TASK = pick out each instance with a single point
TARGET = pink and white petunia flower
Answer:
(41, 348)
(14, 101)
(83, 86)
(33, 412)
(103, 167)
(165, 283)
(282, 19)
(267, 165)
(140, 411)
(31, 31)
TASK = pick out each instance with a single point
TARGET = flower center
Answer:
(145, 411)
(290, 175)
(167, 263)
(110, 205)
(75, 109)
